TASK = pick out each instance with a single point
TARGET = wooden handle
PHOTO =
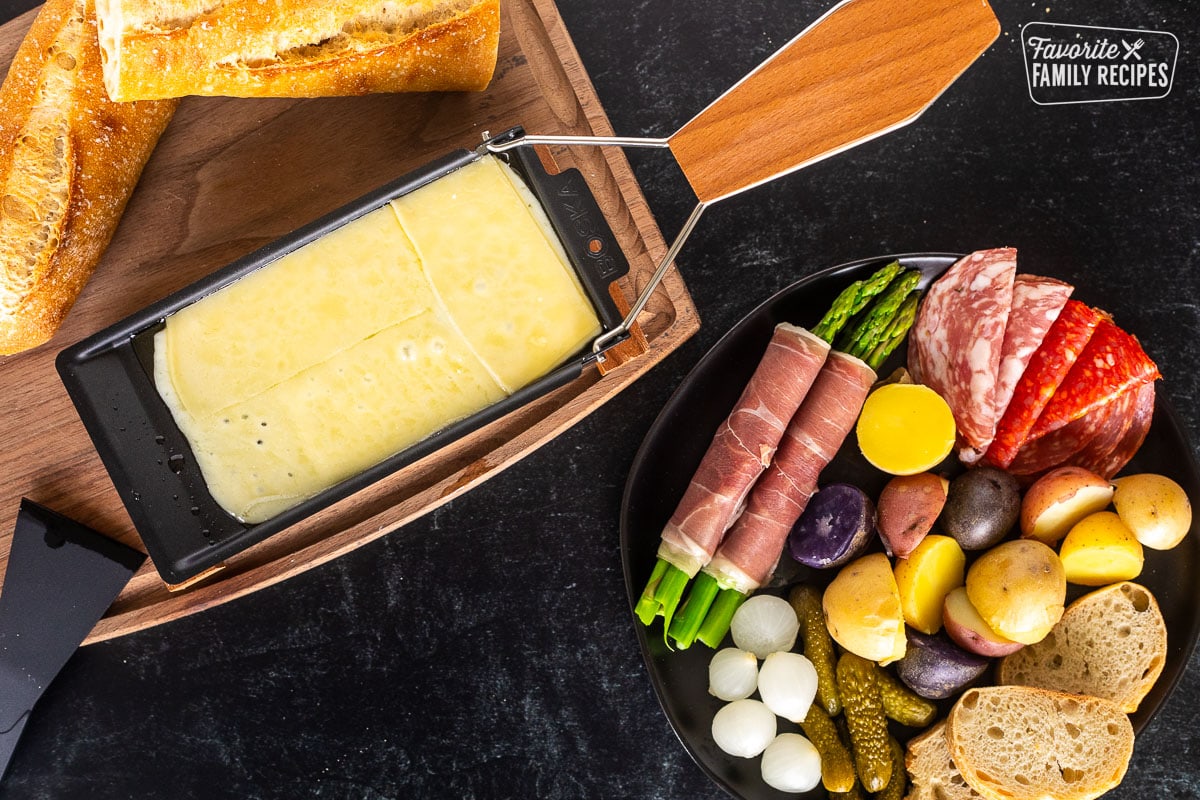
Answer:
(865, 68)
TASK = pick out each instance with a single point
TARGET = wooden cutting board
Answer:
(231, 175)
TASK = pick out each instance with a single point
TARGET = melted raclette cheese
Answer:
(352, 348)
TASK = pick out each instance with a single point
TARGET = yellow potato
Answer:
(1100, 550)
(1155, 508)
(862, 609)
(905, 428)
(924, 579)
(1018, 587)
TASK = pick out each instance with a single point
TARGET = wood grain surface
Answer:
(231, 175)
(865, 68)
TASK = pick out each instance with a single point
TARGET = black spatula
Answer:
(61, 577)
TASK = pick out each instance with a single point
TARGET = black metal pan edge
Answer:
(108, 378)
(669, 454)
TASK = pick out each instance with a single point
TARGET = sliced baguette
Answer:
(931, 771)
(295, 48)
(1110, 643)
(69, 160)
(1023, 743)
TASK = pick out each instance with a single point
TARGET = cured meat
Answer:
(958, 338)
(742, 447)
(1037, 302)
(1047, 369)
(1110, 463)
(1112, 363)
(747, 557)
(1098, 431)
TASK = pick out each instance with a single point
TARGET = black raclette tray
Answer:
(109, 376)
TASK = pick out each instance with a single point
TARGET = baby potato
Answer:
(1018, 587)
(924, 579)
(982, 507)
(1155, 508)
(1059, 499)
(862, 609)
(908, 506)
(1100, 550)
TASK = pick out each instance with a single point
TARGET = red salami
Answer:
(958, 338)
(1096, 432)
(1047, 369)
(742, 447)
(1111, 462)
(1037, 302)
(747, 556)
(1111, 364)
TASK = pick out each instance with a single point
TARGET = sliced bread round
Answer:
(1024, 743)
(931, 772)
(1110, 643)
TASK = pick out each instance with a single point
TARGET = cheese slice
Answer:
(505, 283)
(350, 349)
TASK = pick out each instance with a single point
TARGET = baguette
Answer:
(931, 770)
(1022, 743)
(69, 159)
(1110, 643)
(295, 48)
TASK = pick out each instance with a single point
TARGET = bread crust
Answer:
(69, 160)
(298, 48)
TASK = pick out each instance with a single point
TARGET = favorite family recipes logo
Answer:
(1086, 64)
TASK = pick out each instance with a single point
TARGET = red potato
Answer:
(908, 506)
(1059, 499)
(969, 630)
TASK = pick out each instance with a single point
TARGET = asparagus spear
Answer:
(709, 608)
(664, 589)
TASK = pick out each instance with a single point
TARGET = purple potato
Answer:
(834, 528)
(935, 667)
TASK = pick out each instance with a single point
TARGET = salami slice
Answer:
(1112, 363)
(1037, 302)
(1096, 432)
(1047, 369)
(742, 447)
(749, 553)
(957, 340)
(1114, 460)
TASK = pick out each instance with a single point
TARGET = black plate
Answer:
(677, 441)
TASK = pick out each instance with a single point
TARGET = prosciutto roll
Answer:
(958, 338)
(750, 551)
(742, 447)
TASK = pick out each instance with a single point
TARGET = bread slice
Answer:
(295, 48)
(931, 772)
(1110, 643)
(1023, 743)
(69, 160)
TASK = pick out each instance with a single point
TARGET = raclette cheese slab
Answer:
(362, 343)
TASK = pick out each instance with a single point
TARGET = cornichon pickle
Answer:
(818, 646)
(853, 794)
(898, 783)
(901, 703)
(863, 708)
(837, 770)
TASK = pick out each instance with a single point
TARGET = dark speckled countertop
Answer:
(487, 650)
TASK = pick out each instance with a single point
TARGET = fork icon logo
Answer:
(1132, 49)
